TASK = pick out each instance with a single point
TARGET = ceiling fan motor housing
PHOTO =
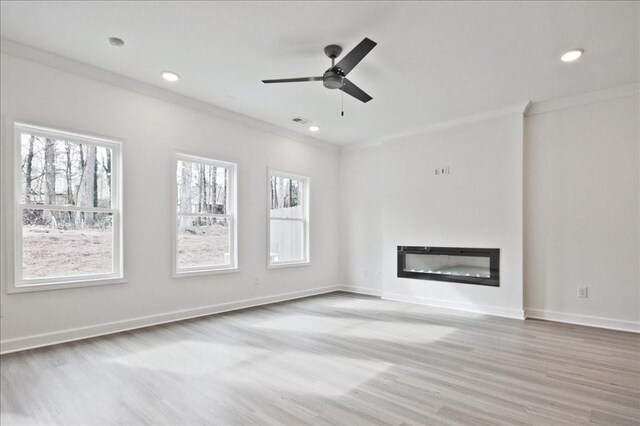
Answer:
(332, 80)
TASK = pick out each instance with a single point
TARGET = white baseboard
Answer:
(447, 304)
(369, 291)
(591, 321)
(53, 338)
(47, 339)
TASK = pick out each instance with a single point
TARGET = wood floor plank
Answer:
(327, 360)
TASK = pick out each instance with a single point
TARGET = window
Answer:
(288, 219)
(205, 239)
(67, 216)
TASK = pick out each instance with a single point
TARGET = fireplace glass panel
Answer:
(462, 266)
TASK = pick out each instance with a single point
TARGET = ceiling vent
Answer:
(300, 120)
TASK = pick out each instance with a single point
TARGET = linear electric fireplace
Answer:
(454, 264)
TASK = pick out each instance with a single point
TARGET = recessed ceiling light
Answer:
(572, 55)
(170, 76)
(314, 128)
(115, 41)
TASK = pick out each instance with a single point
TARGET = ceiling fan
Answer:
(336, 76)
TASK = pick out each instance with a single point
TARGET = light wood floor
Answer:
(333, 359)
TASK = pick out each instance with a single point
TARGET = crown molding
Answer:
(88, 71)
(583, 99)
(516, 109)
(359, 146)
(528, 109)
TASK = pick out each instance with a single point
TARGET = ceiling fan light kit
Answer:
(336, 76)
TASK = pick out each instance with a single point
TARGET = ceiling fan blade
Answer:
(351, 89)
(352, 58)
(293, 80)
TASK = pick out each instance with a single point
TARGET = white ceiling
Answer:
(435, 61)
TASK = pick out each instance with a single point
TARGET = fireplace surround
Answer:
(480, 266)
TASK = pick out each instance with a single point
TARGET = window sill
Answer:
(288, 264)
(25, 288)
(205, 272)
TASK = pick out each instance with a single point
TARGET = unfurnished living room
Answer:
(320, 213)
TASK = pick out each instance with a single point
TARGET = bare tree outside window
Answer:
(66, 198)
(287, 219)
(204, 215)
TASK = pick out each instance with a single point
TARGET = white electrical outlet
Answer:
(583, 292)
(256, 280)
(445, 171)
(437, 172)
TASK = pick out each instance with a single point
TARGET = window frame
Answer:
(16, 282)
(306, 196)
(231, 216)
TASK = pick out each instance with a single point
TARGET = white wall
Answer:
(581, 191)
(153, 130)
(581, 195)
(582, 225)
(361, 202)
(479, 204)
